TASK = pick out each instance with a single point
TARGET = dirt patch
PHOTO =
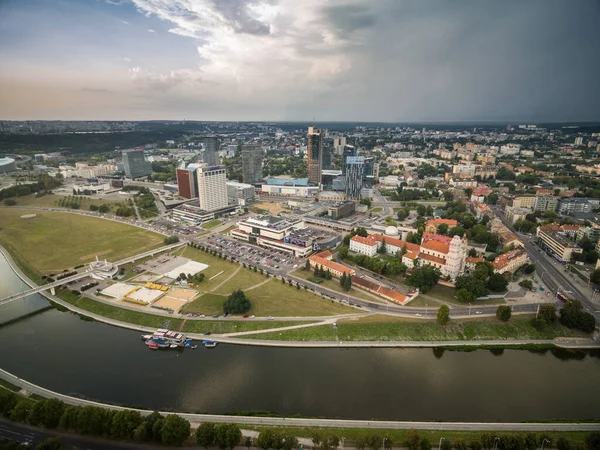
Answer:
(182, 294)
(93, 255)
(273, 208)
(170, 302)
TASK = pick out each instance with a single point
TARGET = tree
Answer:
(237, 303)
(20, 412)
(361, 442)
(573, 316)
(289, 442)
(227, 435)
(374, 442)
(460, 444)
(401, 215)
(503, 313)
(343, 280)
(497, 282)
(446, 445)
(465, 296)
(175, 430)
(424, 277)
(421, 210)
(529, 268)
(443, 229)
(348, 284)
(547, 313)
(457, 231)
(10, 202)
(425, 444)
(413, 439)
(564, 444)
(268, 438)
(50, 444)
(595, 277)
(205, 434)
(443, 315)
(471, 284)
(593, 441)
(124, 423)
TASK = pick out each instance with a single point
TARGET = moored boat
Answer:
(210, 344)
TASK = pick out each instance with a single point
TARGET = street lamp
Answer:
(544, 441)
(496, 443)
(440, 446)
(384, 439)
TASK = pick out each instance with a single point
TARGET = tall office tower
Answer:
(327, 151)
(315, 155)
(135, 165)
(349, 150)
(211, 149)
(252, 163)
(187, 181)
(338, 144)
(369, 166)
(212, 187)
(355, 168)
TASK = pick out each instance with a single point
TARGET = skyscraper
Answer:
(349, 150)
(315, 155)
(339, 143)
(187, 181)
(135, 165)
(211, 149)
(327, 151)
(212, 187)
(251, 163)
(355, 167)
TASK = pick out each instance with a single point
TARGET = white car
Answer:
(477, 312)
(418, 315)
(270, 318)
(252, 316)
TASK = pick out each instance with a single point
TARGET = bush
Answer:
(237, 303)
(539, 324)
(10, 202)
(205, 434)
(443, 315)
(573, 316)
(175, 430)
(503, 313)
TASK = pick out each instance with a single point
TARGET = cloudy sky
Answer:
(372, 60)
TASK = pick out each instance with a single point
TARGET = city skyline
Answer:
(278, 60)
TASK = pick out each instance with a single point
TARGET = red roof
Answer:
(503, 260)
(318, 260)
(474, 259)
(369, 240)
(438, 222)
(433, 258)
(436, 237)
(436, 246)
(396, 242)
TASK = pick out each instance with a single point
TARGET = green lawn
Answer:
(231, 326)
(53, 241)
(51, 200)
(212, 224)
(446, 294)
(244, 279)
(216, 265)
(276, 299)
(388, 328)
(334, 285)
(228, 229)
(205, 304)
(376, 210)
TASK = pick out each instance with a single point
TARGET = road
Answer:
(552, 273)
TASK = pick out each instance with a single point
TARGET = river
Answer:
(61, 352)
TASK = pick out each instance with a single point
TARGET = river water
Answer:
(61, 352)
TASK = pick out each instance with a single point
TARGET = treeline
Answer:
(44, 183)
(95, 421)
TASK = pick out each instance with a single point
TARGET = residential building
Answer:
(591, 233)
(463, 170)
(339, 143)
(545, 203)
(479, 194)
(240, 193)
(514, 213)
(510, 261)
(315, 155)
(211, 149)
(324, 261)
(341, 209)
(364, 245)
(572, 205)
(472, 261)
(553, 239)
(432, 225)
(355, 167)
(251, 163)
(135, 164)
(579, 140)
(212, 187)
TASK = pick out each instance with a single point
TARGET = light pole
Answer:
(544, 441)
(384, 439)
(440, 445)
(496, 439)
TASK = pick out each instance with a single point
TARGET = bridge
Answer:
(86, 273)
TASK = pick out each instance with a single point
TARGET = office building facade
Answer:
(135, 164)
(251, 163)
(211, 150)
(315, 155)
(355, 168)
(186, 183)
(212, 187)
(240, 193)
(349, 150)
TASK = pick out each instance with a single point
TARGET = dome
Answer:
(391, 231)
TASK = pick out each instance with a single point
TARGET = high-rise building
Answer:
(349, 150)
(355, 168)
(252, 163)
(187, 181)
(212, 187)
(135, 165)
(315, 155)
(211, 149)
(339, 143)
(578, 140)
(327, 151)
(369, 166)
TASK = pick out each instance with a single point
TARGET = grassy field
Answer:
(243, 279)
(376, 210)
(51, 200)
(205, 304)
(212, 224)
(53, 241)
(276, 299)
(230, 326)
(228, 229)
(217, 266)
(334, 285)
(388, 328)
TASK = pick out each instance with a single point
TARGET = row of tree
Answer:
(346, 281)
(43, 183)
(387, 267)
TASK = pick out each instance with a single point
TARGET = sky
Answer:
(324, 60)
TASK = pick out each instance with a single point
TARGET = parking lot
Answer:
(271, 260)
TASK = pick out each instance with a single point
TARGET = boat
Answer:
(146, 337)
(163, 338)
(173, 346)
(153, 345)
(210, 344)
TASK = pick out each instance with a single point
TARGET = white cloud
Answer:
(150, 30)
(124, 22)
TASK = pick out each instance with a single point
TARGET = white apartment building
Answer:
(212, 187)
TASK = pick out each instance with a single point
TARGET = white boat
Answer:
(146, 337)
(173, 346)
(163, 338)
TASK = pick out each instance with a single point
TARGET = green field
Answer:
(205, 304)
(218, 268)
(244, 279)
(376, 210)
(446, 294)
(233, 326)
(334, 285)
(212, 224)
(276, 299)
(53, 241)
(388, 328)
(51, 200)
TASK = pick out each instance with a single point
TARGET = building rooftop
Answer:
(503, 260)
(269, 221)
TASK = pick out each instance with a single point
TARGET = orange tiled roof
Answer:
(433, 258)
(474, 259)
(503, 260)
(330, 264)
(438, 222)
(369, 240)
(571, 227)
(436, 237)
(436, 246)
(396, 242)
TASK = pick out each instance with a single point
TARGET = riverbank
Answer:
(320, 334)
